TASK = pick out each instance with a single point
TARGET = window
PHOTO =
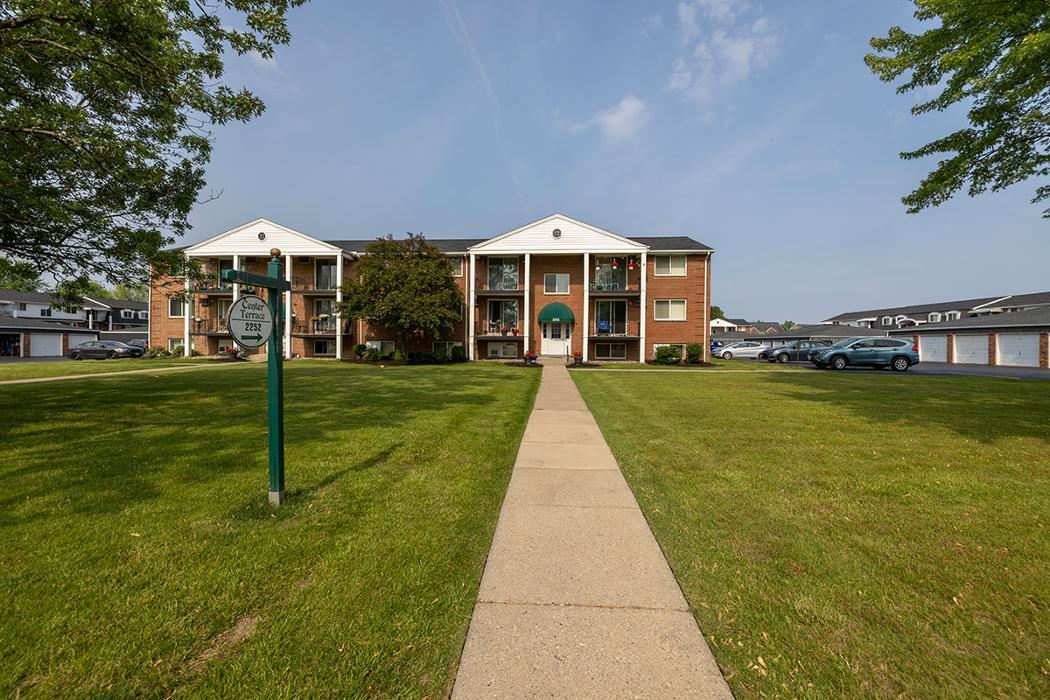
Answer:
(143, 315)
(934, 317)
(127, 313)
(46, 311)
(863, 345)
(176, 309)
(503, 313)
(952, 316)
(324, 347)
(669, 309)
(670, 266)
(222, 266)
(444, 347)
(457, 266)
(503, 350)
(174, 343)
(556, 283)
(887, 320)
(21, 306)
(503, 273)
(887, 343)
(681, 348)
(325, 274)
(385, 347)
(610, 351)
(610, 317)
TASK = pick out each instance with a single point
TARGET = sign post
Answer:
(252, 324)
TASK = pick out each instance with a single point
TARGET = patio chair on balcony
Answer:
(603, 327)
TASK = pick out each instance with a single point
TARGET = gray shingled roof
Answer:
(959, 305)
(1018, 319)
(1023, 300)
(33, 324)
(824, 330)
(460, 245)
(33, 297)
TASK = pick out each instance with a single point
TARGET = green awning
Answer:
(556, 312)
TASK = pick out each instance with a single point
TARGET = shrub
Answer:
(667, 355)
(157, 351)
(458, 354)
(373, 355)
(360, 349)
(440, 355)
(694, 353)
(398, 356)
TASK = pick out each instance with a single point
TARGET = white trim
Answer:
(149, 318)
(643, 306)
(707, 307)
(170, 315)
(568, 283)
(525, 322)
(470, 306)
(656, 267)
(187, 306)
(327, 246)
(685, 311)
(338, 300)
(288, 308)
(586, 305)
(236, 285)
(620, 239)
(462, 264)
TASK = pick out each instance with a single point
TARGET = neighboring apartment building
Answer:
(939, 312)
(556, 286)
(94, 313)
(742, 326)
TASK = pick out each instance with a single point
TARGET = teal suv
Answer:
(896, 353)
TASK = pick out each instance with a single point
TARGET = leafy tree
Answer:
(106, 110)
(405, 285)
(716, 312)
(130, 292)
(20, 276)
(787, 325)
(995, 58)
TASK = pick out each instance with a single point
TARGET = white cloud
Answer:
(261, 61)
(617, 123)
(728, 52)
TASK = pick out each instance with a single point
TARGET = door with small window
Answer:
(556, 338)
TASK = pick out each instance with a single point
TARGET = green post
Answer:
(275, 388)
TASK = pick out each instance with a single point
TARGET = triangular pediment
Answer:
(258, 237)
(558, 233)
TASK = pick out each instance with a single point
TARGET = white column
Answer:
(187, 307)
(288, 308)
(470, 307)
(586, 301)
(527, 320)
(338, 300)
(643, 304)
(236, 286)
(707, 307)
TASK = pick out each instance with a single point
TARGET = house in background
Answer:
(721, 325)
(555, 287)
(743, 327)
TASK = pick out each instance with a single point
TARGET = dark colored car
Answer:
(138, 343)
(103, 350)
(795, 351)
(878, 352)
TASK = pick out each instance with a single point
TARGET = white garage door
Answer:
(1019, 349)
(971, 349)
(75, 340)
(45, 344)
(933, 348)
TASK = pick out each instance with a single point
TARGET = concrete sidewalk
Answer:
(577, 599)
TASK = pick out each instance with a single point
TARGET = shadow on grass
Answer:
(100, 447)
(984, 409)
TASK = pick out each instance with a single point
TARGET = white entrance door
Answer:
(1016, 349)
(933, 348)
(971, 349)
(556, 336)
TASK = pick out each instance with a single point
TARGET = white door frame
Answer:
(547, 344)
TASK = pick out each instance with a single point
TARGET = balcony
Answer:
(495, 329)
(321, 285)
(499, 288)
(614, 329)
(615, 288)
(321, 326)
(208, 326)
(213, 286)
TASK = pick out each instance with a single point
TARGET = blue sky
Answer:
(754, 127)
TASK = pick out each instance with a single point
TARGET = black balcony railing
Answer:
(323, 326)
(614, 328)
(615, 286)
(201, 325)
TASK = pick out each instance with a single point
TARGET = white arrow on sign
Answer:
(250, 321)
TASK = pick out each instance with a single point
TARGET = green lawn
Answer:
(848, 534)
(138, 557)
(747, 364)
(65, 368)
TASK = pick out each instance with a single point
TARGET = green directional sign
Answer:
(250, 321)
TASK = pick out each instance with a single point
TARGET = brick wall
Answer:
(991, 349)
(950, 351)
(692, 288)
(1044, 360)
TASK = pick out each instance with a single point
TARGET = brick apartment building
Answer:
(554, 287)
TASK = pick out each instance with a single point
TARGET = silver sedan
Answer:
(744, 348)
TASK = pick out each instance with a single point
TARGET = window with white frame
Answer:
(556, 283)
(444, 347)
(174, 343)
(610, 351)
(385, 347)
(456, 263)
(324, 347)
(670, 266)
(887, 320)
(143, 315)
(679, 346)
(952, 316)
(127, 313)
(669, 309)
(176, 308)
(504, 350)
(934, 317)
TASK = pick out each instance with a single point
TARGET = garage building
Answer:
(1014, 339)
(27, 337)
